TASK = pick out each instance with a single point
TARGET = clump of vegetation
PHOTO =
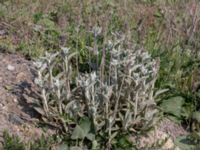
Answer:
(168, 30)
(115, 97)
(13, 142)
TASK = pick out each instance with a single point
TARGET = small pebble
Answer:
(15, 100)
(10, 68)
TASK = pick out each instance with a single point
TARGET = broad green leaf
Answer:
(184, 143)
(187, 111)
(82, 130)
(78, 133)
(85, 125)
(173, 106)
(196, 116)
(90, 137)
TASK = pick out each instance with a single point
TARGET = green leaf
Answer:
(82, 130)
(75, 148)
(78, 133)
(184, 143)
(174, 119)
(196, 116)
(173, 105)
(158, 14)
(187, 110)
(195, 136)
(63, 147)
(123, 141)
(85, 125)
(90, 137)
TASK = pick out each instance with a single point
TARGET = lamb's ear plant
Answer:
(117, 99)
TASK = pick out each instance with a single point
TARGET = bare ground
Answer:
(16, 115)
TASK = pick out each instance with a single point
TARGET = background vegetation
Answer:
(168, 30)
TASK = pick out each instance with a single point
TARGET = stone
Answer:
(10, 68)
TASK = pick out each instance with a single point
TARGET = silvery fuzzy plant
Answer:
(55, 87)
(118, 97)
(124, 98)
